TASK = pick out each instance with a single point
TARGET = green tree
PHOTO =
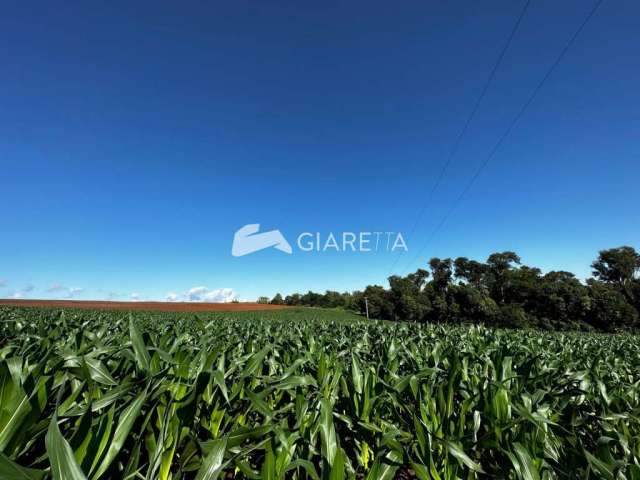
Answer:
(501, 291)
(472, 271)
(277, 300)
(512, 315)
(311, 299)
(419, 278)
(441, 272)
(474, 306)
(609, 309)
(618, 267)
(332, 299)
(498, 267)
(379, 300)
(557, 300)
(409, 302)
(293, 300)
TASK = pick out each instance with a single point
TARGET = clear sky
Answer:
(137, 137)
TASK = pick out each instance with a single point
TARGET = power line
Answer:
(462, 133)
(508, 130)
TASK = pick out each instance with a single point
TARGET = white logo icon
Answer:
(247, 240)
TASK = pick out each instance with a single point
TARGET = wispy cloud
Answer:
(135, 296)
(3, 283)
(67, 292)
(204, 294)
(55, 287)
(73, 291)
(172, 297)
(23, 292)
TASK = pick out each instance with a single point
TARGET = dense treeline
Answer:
(501, 292)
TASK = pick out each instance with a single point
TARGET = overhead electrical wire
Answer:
(465, 127)
(506, 133)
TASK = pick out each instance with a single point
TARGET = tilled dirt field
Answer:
(156, 306)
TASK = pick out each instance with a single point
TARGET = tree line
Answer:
(501, 292)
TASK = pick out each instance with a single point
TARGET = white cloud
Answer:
(172, 297)
(73, 291)
(196, 294)
(56, 287)
(3, 283)
(69, 292)
(135, 296)
(203, 294)
(23, 291)
(223, 295)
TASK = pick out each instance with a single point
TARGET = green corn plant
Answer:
(308, 393)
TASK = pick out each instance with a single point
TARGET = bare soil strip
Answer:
(155, 306)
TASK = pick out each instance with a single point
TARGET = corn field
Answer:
(307, 393)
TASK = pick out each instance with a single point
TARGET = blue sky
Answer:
(137, 138)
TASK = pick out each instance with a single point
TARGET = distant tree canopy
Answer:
(277, 300)
(501, 292)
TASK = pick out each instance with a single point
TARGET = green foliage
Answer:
(512, 315)
(309, 393)
(609, 309)
(277, 300)
(503, 292)
(618, 266)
